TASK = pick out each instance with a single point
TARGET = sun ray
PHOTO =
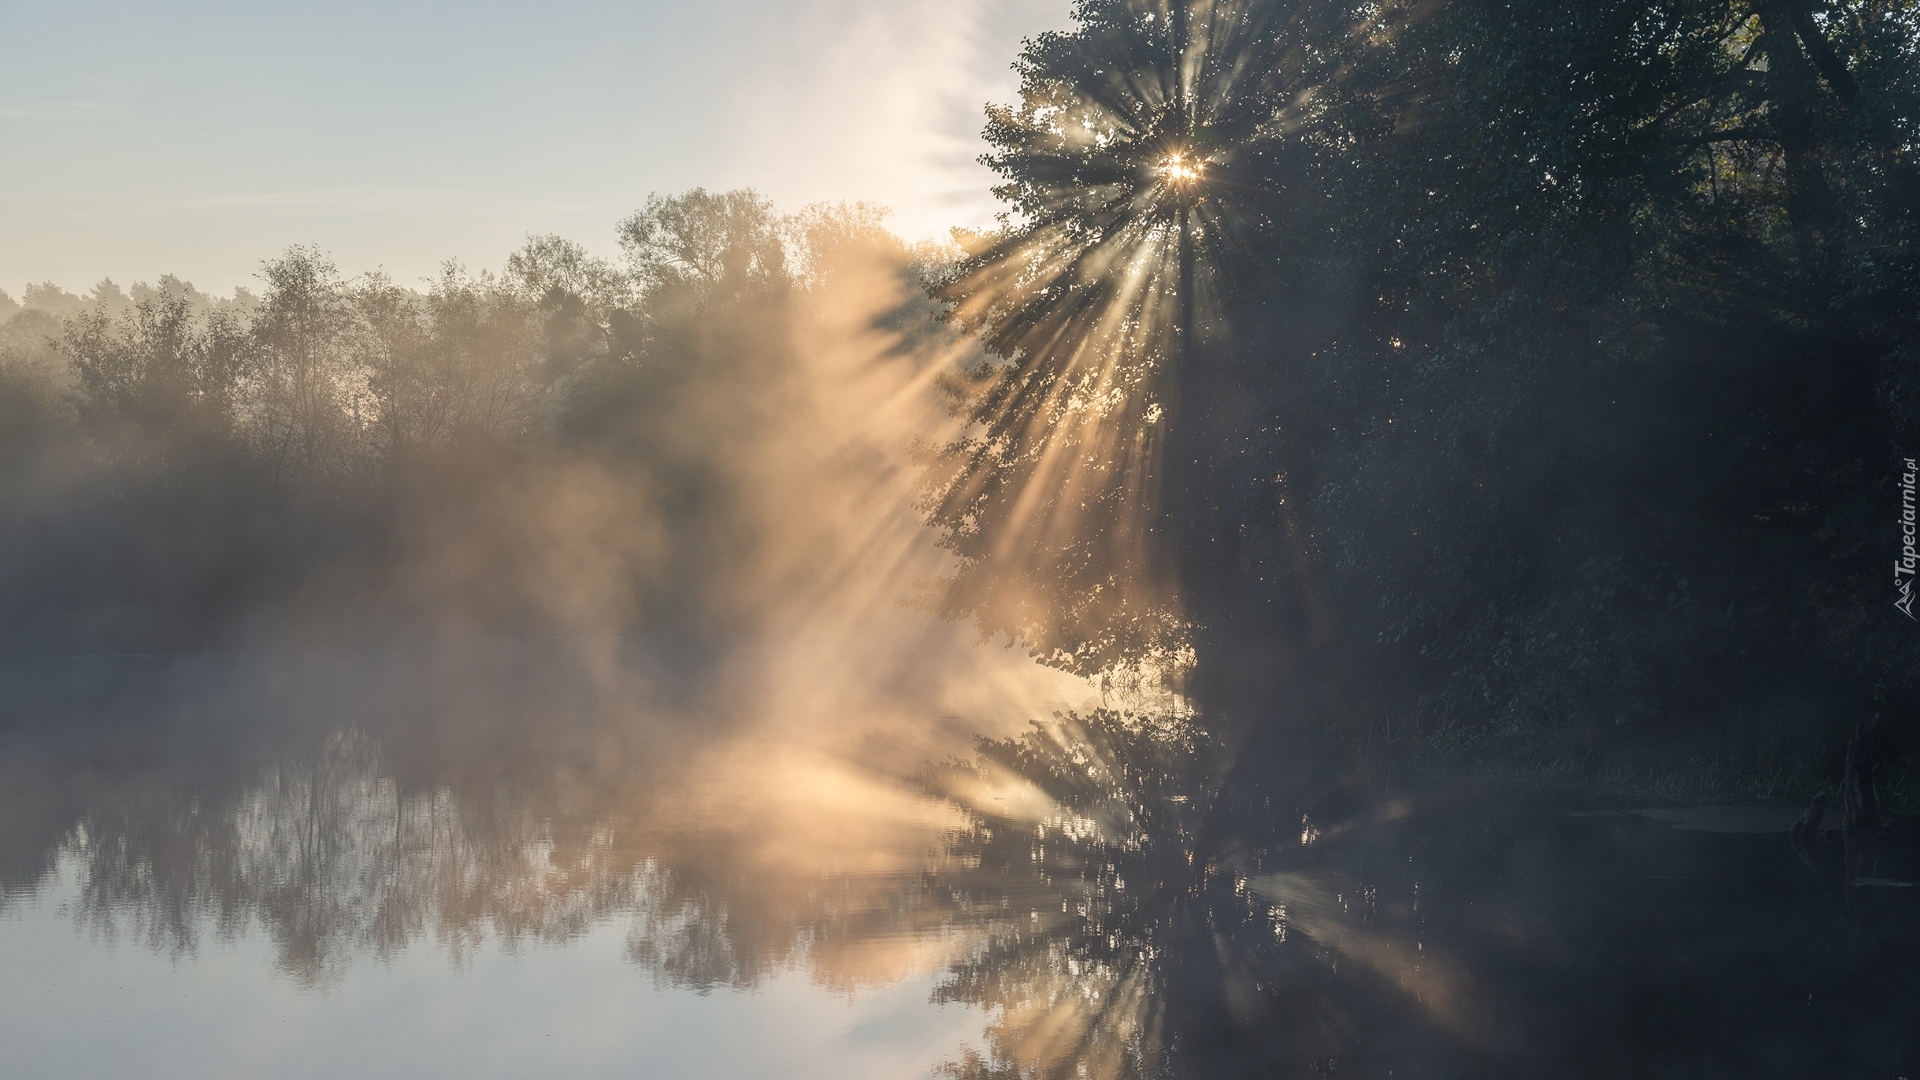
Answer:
(1130, 161)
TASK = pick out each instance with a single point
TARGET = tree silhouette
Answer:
(1140, 167)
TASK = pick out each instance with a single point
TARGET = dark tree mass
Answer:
(1484, 373)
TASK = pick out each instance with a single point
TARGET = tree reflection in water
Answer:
(1120, 896)
(1078, 871)
(1139, 903)
(1134, 914)
(1088, 883)
(333, 857)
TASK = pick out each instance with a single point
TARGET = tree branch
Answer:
(1831, 67)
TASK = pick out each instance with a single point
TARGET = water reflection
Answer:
(1141, 909)
(1114, 892)
(338, 853)
(331, 858)
(1081, 874)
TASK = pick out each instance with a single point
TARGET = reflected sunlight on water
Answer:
(1105, 895)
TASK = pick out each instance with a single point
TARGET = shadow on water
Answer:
(1117, 896)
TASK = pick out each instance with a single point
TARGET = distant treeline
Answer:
(559, 446)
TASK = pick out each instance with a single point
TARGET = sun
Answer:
(1181, 170)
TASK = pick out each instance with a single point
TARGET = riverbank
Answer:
(1785, 769)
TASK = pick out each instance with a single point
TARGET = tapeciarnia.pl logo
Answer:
(1903, 567)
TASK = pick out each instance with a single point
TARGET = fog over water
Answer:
(1352, 541)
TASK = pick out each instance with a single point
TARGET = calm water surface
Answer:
(509, 860)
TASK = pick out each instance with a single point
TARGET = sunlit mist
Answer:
(1351, 542)
(1131, 159)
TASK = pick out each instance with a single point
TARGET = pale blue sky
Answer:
(198, 138)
